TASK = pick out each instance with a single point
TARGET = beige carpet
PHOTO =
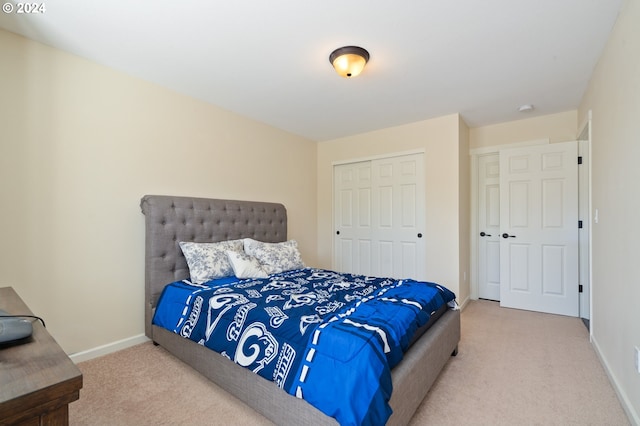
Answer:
(514, 368)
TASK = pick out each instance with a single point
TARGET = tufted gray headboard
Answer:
(169, 220)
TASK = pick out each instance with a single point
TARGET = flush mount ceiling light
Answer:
(349, 61)
(526, 108)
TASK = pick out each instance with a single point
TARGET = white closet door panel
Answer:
(364, 208)
(387, 211)
(346, 209)
(385, 258)
(346, 254)
(409, 206)
(385, 207)
(364, 257)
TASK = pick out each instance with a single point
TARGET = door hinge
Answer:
(579, 288)
(580, 160)
(579, 224)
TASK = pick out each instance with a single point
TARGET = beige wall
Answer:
(439, 138)
(613, 96)
(464, 211)
(80, 145)
(559, 127)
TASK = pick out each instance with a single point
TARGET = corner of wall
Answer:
(464, 210)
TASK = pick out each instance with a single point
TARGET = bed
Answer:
(170, 220)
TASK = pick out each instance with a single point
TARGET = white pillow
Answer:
(275, 257)
(245, 266)
(208, 261)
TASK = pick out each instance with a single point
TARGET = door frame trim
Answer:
(474, 241)
(378, 157)
(585, 129)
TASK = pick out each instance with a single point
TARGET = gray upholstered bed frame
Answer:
(170, 220)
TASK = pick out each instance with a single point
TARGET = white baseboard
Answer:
(108, 348)
(464, 303)
(634, 416)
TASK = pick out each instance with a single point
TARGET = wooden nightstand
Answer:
(37, 379)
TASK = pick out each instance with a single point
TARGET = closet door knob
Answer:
(505, 235)
(419, 234)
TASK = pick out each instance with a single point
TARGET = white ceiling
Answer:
(268, 60)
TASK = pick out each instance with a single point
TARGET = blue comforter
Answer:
(327, 337)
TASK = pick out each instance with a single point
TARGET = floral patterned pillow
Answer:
(245, 266)
(208, 261)
(275, 257)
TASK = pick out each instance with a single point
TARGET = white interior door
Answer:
(379, 217)
(539, 228)
(489, 226)
(352, 217)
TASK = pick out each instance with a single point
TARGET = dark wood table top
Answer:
(36, 371)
